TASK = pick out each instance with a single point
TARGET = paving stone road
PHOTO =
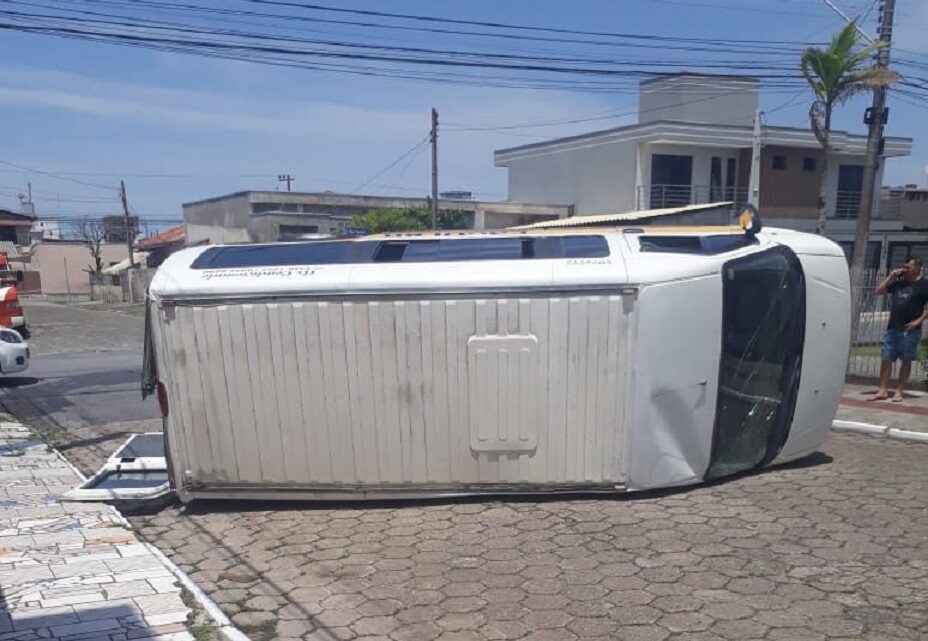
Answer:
(833, 548)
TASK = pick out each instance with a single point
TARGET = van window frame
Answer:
(720, 465)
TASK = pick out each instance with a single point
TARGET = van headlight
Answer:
(10, 337)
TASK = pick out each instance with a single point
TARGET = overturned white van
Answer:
(520, 361)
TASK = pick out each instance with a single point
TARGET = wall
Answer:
(259, 216)
(221, 220)
(790, 193)
(50, 259)
(914, 209)
(597, 180)
(702, 164)
(716, 100)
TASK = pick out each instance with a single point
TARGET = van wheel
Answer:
(25, 332)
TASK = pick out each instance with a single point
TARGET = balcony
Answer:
(662, 196)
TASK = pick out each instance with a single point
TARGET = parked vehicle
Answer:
(11, 312)
(441, 364)
(14, 352)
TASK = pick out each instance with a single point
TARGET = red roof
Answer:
(169, 237)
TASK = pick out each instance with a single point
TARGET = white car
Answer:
(14, 351)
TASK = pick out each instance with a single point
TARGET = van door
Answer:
(763, 328)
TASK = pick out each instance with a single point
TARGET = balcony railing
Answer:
(661, 196)
(847, 205)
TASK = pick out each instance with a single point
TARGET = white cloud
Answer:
(315, 133)
(261, 113)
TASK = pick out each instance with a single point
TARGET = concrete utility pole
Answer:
(285, 178)
(125, 211)
(876, 117)
(433, 137)
(754, 185)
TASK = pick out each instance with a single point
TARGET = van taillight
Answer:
(162, 398)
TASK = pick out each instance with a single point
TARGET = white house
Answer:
(693, 144)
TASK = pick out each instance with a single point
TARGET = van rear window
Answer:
(404, 250)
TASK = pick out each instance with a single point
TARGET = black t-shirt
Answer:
(909, 298)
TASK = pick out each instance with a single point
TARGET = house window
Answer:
(779, 163)
(808, 165)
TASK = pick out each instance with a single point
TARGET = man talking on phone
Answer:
(909, 292)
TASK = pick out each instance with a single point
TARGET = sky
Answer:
(76, 117)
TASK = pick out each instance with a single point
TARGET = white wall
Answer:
(723, 101)
(215, 235)
(702, 160)
(597, 180)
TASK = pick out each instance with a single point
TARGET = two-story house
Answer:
(693, 144)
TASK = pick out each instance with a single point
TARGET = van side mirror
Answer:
(19, 276)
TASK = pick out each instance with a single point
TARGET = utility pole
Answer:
(754, 185)
(433, 137)
(285, 178)
(125, 211)
(876, 118)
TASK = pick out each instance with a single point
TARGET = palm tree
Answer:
(836, 74)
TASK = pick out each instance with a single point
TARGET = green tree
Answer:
(411, 219)
(837, 73)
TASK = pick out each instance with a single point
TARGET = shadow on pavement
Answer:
(88, 621)
(17, 381)
(218, 506)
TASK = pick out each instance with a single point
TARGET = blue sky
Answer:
(181, 128)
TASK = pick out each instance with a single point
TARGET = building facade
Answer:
(14, 227)
(693, 144)
(270, 216)
(63, 265)
(45, 230)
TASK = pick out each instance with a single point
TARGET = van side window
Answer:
(705, 245)
(585, 247)
(403, 250)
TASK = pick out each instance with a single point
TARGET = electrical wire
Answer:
(391, 165)
(57, 176)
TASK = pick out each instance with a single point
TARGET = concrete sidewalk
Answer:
(72, 571)
(910, 414)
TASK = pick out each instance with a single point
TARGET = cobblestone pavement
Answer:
(70, 571)
(836, 548)
(833, 548)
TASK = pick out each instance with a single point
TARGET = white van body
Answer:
(593, 366)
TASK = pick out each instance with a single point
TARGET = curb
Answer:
(879, 430)
(225, 629)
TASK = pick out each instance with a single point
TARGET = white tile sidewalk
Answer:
(73, 571)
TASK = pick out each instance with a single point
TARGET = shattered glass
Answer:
(763, 329)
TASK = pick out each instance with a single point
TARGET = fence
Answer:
(864, 361)
(128, 286)
(660, 196)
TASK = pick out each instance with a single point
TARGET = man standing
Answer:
(909, 292)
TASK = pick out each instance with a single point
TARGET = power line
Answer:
(112, 29)
(56, 176)
(476, 23)
(391, 165)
